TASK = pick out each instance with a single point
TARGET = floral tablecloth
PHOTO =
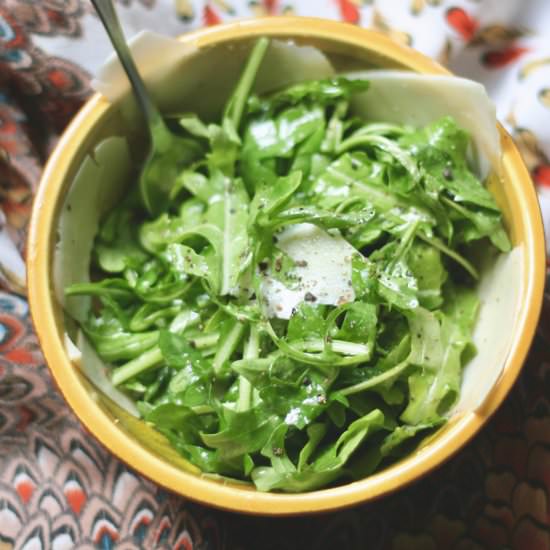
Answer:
(61, 489)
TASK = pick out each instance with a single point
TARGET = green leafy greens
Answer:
(334, 390)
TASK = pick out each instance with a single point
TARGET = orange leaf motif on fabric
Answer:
(349, 12)
(541, 175)
(210, 17)
(496, 59)
(462, 22)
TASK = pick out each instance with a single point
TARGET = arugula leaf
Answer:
(245, 432)
(315, 433)
(437, 345)
(442, 149)
(308, 321)
(360, 324)
(354, 174)
(229, 212)
(269, 200)
(425, 263)
(114, 343)
(155, 235)
(236, 104)
(172, 154)
(393, 445)
(337, 455)
(185, 260)
(327, 467)
(117, 247)
(199, 185)
(318, 92)
(479, 223)
(279, 137)
(150, 315)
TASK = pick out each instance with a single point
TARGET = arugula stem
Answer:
(331, 322)
(235, 106)
(143, 318)
(227, 347)
(214, 321)
(381, 128)
(388, 146)
(97, 289)
(202, 409)
(381, 197)
(339, 346)
(146, 360)
(245, 394)
(455, 206)
(321, 360)
(436, 243)
(125, 347)
(205, 340)
(375, 380)
(252, 348)
(256, 399)
(184, 320)
(404, 244)
(251, 351)
(345, 204)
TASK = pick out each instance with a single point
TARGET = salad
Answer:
(295, 307)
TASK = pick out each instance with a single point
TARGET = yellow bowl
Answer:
(147, 451)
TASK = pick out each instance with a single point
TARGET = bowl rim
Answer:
(449, 440)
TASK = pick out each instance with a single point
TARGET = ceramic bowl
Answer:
(520, 286)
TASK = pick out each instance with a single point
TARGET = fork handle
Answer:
(108, 16)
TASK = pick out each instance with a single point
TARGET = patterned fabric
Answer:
(59, 488)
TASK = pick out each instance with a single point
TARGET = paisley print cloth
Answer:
(61, 489)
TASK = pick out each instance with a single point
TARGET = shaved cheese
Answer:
(74, 354)
(88, 361)
(156, 56)
(418, 99)
(323, 270)
(181, 78)
(293, 64)
(98, 373)
(495, 327)
(97, 187)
